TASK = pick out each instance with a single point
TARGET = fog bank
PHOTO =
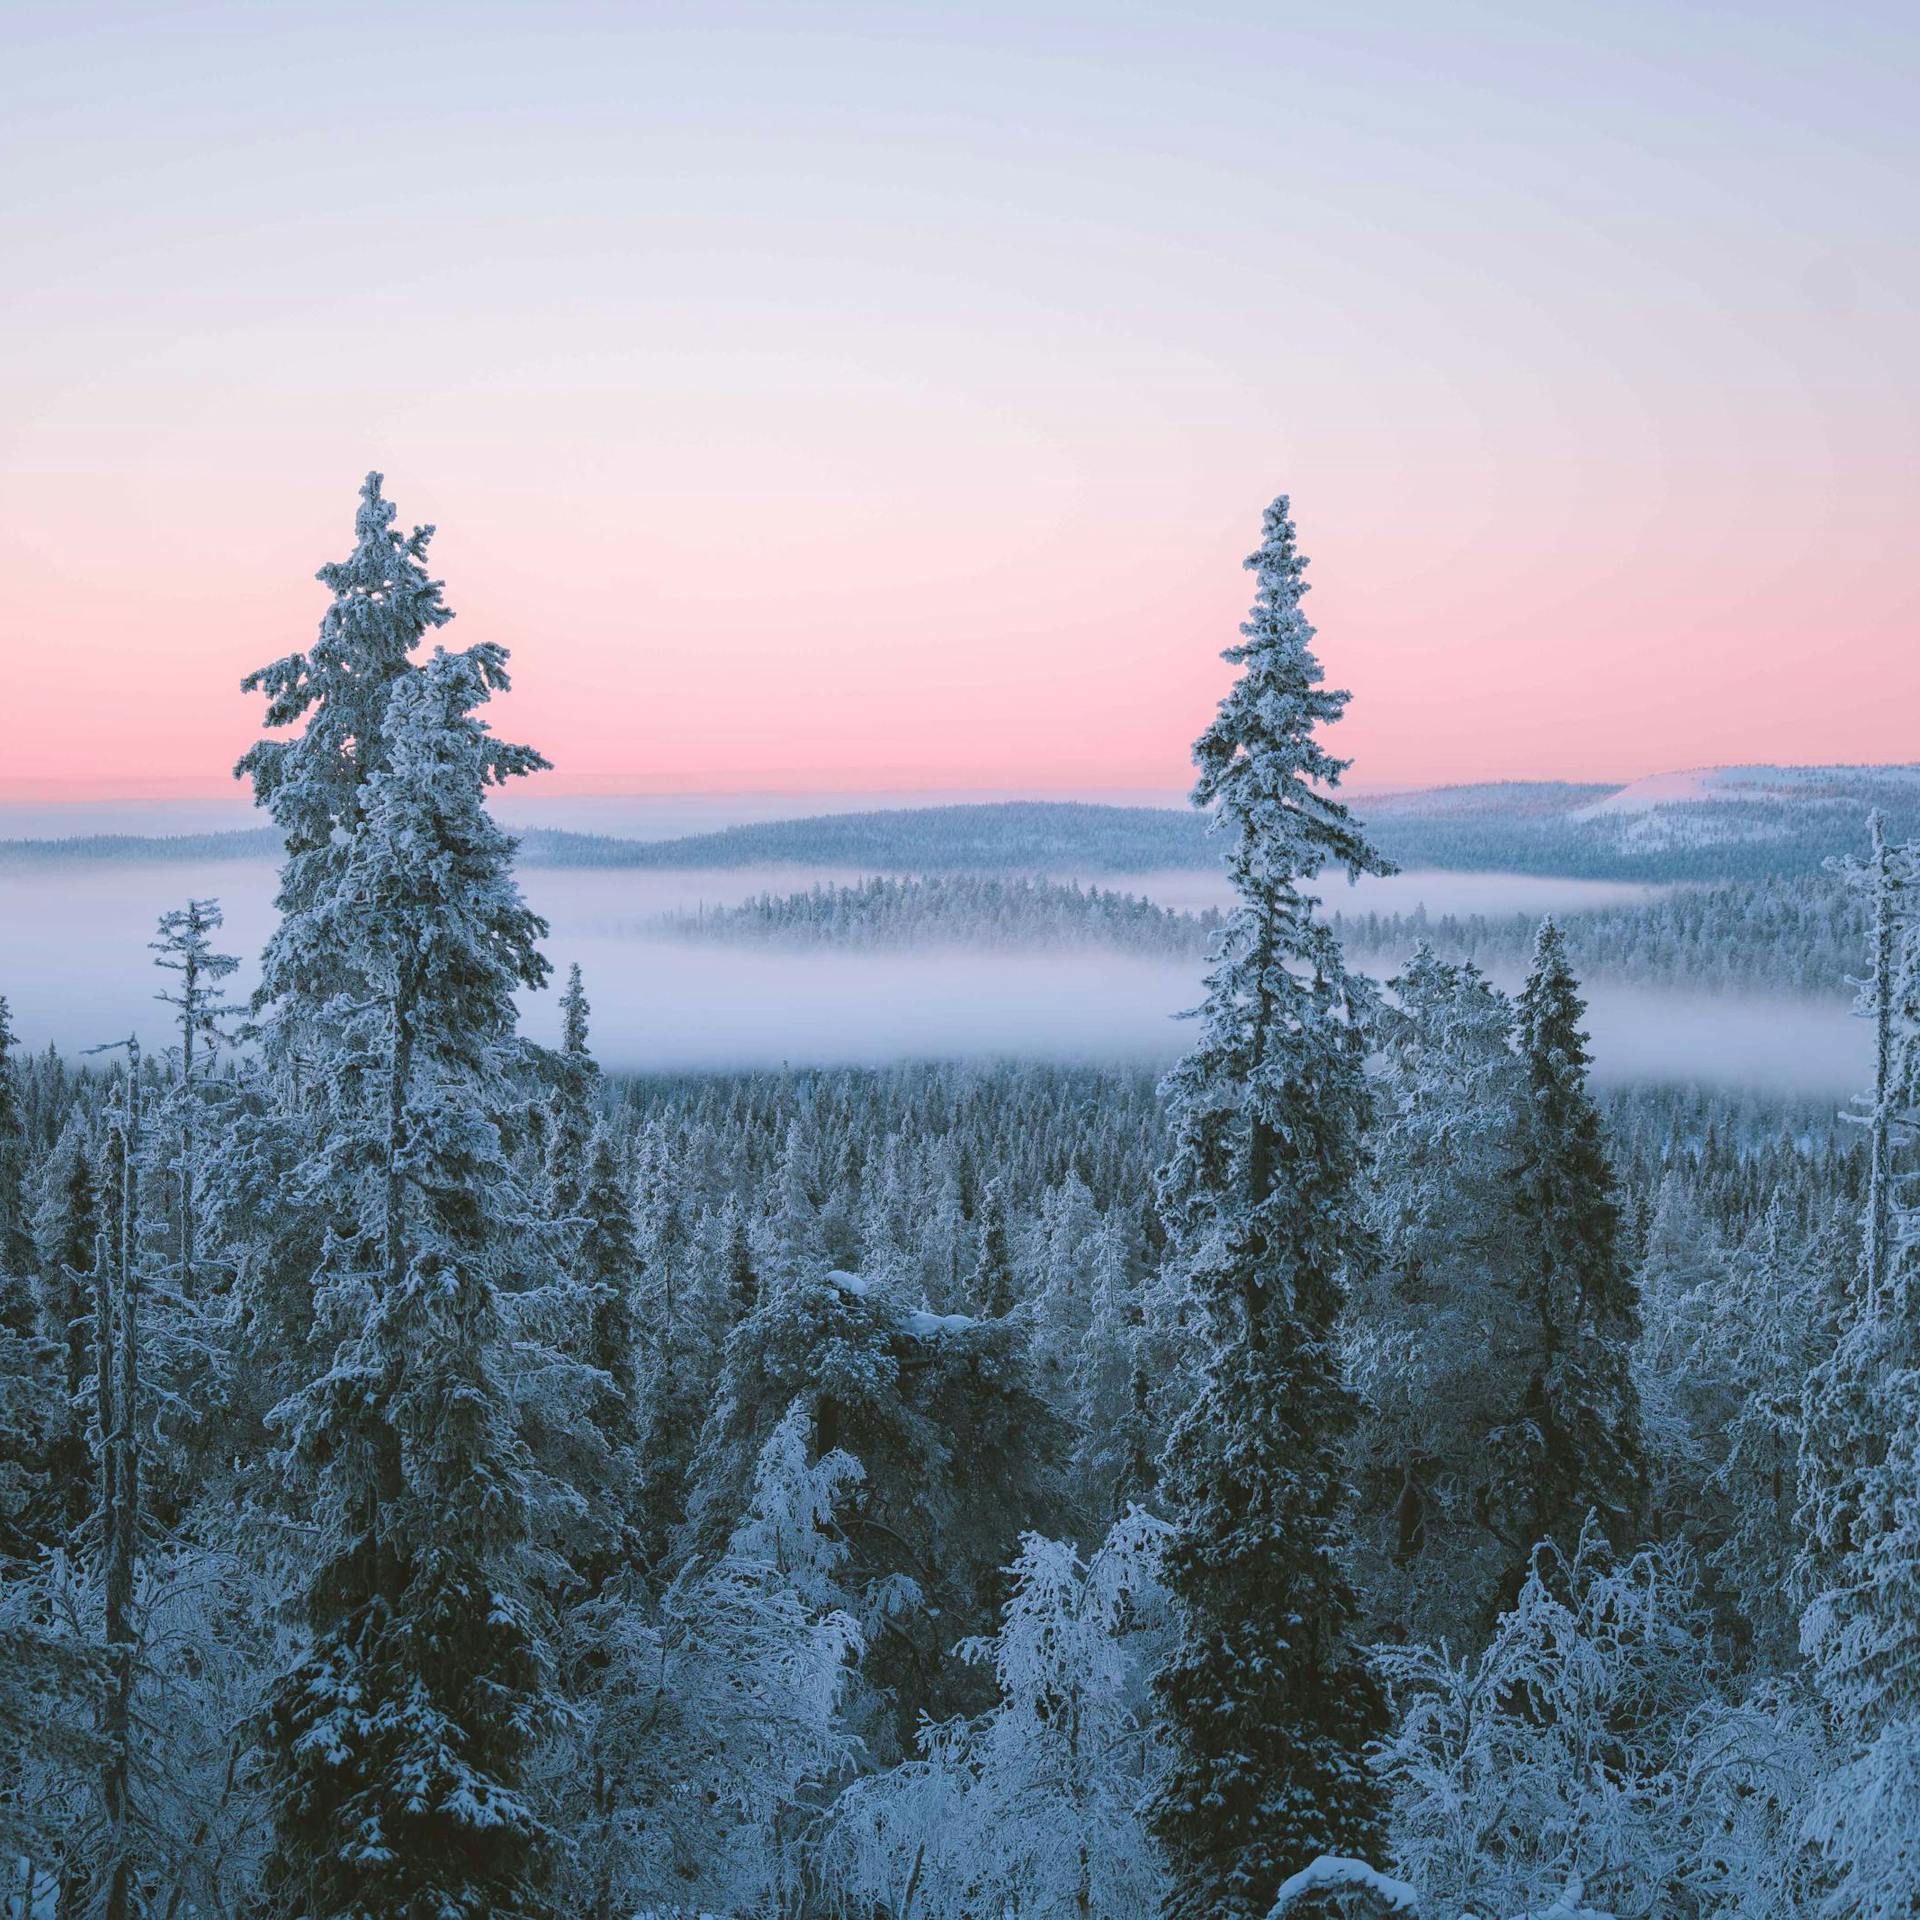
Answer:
(74, 964)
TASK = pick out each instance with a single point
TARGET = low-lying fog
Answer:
(74, 965)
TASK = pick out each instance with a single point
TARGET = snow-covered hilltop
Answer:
(1704, 823)
(1715, 785)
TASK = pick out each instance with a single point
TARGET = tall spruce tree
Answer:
(398, 1743)
(185, 947)
(66, 1228)
(16, 1238)
(569, 1127)
(1270, 1701)
(1574, 1445)
(993, 1296)
(29, 1412)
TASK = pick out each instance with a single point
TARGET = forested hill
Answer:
(1016, 836)
(963, 909)
(1724, 823)
(1721, 824)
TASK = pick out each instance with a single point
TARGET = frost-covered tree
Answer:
(185, 948)
(992, 1290)
(1769, 1331)
(1067, 1240)
(398, 1743)
(1440, 1341)
(579, 1346)
(714, 1717)
(1860, 1464)
(1573, 1444)
(1270, 1703)
(1116, 1436)
(1035, 1806)
(570, 1123)
(958, 1455)
(30, 1413)
(743, 1273)
(1557, 1754)
(16, 1233)
(66, 1229)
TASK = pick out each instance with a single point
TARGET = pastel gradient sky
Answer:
(843, 396)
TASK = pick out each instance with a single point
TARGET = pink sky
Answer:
(795, 438)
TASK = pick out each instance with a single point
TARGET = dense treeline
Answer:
(436, 1479)
(975, 910)
(1803, 934)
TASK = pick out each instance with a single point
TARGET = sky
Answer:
(844, 397)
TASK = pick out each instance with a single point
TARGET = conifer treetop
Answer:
(384, 602)
(1262, 768)
(574, 1009)
(1551, 1007)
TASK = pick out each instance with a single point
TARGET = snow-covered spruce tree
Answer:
(397, 1744)
(1860, 1465)
(1440, 1340)
(1270, 1702)
(992, 1292)
(185, 948)
(743, 1273)
(1573, 1446)
(570, 1122)
(581, 1342)
(66, 1227)
(16, 1237)
(1115, 1443)
(30, 1412)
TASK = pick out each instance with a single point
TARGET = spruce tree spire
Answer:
(16, 1243)
(1575, 1445)
(1270, 1701)
(574, 1010)
(993, 1292)
(384, 603)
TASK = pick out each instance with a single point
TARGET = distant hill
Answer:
(1024, 836)
(1724, 823)
(1713, 823)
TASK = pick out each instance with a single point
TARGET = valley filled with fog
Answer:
(667, 1001)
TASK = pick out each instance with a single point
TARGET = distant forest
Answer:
(971, 910)
(1800, 936)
